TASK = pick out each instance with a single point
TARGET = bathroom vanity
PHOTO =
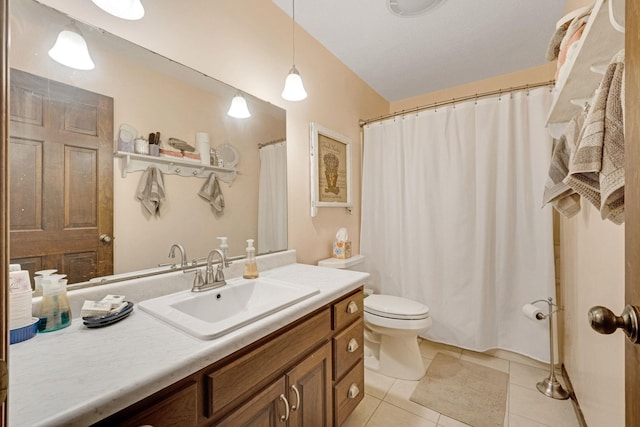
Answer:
(302, 365)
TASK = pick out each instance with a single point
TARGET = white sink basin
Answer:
(213, 313)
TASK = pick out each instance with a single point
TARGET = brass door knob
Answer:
(603, 320)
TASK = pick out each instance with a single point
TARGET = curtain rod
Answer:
(275, 141)
(456, 100)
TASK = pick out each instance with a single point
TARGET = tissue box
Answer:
(341, 249)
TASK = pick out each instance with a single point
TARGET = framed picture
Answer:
(330, 169)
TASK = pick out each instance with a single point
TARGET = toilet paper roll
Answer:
(532, 312)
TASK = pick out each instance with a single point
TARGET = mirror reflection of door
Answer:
(60, 178)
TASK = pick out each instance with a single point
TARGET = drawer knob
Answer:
(352, 307)
(353, 391)
(353, 345)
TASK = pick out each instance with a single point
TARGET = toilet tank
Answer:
(355, 263)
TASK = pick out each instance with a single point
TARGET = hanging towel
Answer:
(596, 169)
(211, 192)
(561, 196)
(151, 190)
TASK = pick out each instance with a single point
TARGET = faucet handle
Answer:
(219, 273)
(198, 280)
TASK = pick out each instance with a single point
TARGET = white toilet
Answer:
(391, 331)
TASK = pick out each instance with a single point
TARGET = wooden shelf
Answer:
(132, 162)
(600, 41)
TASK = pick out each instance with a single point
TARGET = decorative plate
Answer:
(127, 133)
(228, 154)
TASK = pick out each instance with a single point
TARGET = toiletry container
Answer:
(250, 266)
(391, 329)
(55, 312)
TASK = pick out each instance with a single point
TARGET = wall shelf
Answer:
(132, 162)
(600, 41)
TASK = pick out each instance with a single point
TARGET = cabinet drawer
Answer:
(348, 347)
(348, 392)
(348, 310)
(240, 378)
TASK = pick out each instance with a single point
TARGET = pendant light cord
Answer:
(293, 30)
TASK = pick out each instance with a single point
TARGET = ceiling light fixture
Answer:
(239, 108)
(405, 8)
(71, 49)
(125, 9)
(293, 87)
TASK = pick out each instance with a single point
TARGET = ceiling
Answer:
(458, 42)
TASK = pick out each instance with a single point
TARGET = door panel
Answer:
(61, 172)
(632, 202)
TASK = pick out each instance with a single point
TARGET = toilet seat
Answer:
(393, 307)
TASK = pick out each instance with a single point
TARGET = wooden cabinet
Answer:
(309, 373)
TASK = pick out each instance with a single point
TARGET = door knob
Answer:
(105, 238)
(603, 320)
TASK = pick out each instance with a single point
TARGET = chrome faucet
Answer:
(183, 254)
(211, 280)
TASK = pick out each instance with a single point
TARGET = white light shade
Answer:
(239, 108)
(293, 88)
(71, 50)
(125, 9)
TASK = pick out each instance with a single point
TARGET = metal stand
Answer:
(550, 386)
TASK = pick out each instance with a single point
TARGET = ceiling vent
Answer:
(412, 7)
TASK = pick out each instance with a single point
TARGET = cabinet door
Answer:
(268, 408)
(310, 391)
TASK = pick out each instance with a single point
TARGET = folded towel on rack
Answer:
(211, 192)
(562, 197)
(150, 190)
(596, 169)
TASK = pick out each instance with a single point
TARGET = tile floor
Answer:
(386, 402)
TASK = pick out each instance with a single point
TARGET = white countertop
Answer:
(78, 376)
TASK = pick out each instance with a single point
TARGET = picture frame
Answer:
(330, 161)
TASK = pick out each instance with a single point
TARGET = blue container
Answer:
(25, 332)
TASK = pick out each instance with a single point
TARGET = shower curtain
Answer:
(452, 217)
(272, 198)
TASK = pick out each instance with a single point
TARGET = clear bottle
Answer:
(55, 312)
(250, 266)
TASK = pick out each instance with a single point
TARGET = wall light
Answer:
(293, 87)
(70, 49)
(125, 9)
(239, 108)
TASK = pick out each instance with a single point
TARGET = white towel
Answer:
(151, 190)
(211, 192)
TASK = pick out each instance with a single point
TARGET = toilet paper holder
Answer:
(550, 386)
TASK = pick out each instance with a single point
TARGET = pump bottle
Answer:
(250, 266)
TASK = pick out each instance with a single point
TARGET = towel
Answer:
(596, 169)
(151, 190)
(211, 192)
(562, 197)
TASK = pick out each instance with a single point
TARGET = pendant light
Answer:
(70, 49)
(239, 108)
(293, 88)
(125, 9)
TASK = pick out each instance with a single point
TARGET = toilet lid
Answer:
(395, 307)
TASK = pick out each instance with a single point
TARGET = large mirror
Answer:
(74, 208)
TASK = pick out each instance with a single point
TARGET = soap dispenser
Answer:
(224, 247)
(250, 266)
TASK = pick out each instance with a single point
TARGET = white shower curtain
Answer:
(452, 217)
(272, 198)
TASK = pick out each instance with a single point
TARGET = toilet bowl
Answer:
(392, 325)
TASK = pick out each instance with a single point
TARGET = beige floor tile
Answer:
(534, 405)
(518, 421)
(430, 348)
(388, 415)
(485, 360)
(526, 376)
(445, 421)
(518, 358)
(363, 412)
(399, 395)
(377, 385)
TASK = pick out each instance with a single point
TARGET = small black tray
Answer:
(109, 319)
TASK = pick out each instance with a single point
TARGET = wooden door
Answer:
(263, 410)
(60, 178)
(632, 202)
(309, 390)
